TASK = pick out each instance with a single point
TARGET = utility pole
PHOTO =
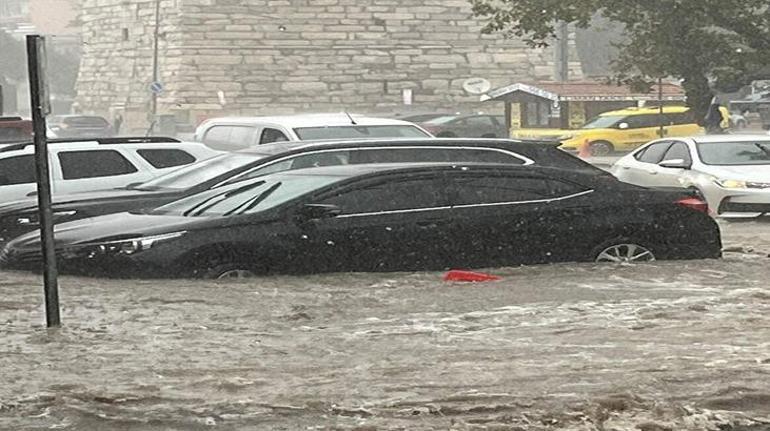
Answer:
(41, 106)
(155, 72)
(661, 118)
(561, 62)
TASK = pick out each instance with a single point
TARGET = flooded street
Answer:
(662, 346)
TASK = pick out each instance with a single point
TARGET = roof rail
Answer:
(100, 141)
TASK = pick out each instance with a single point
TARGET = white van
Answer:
(80, 166)
(235, 133)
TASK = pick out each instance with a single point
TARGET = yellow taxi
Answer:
(626, 129)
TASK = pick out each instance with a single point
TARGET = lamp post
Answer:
(155, 73)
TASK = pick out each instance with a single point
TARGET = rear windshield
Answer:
(354, 132)
(196, 173)
(734, 153)
(85, 121)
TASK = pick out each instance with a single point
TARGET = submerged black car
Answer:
(17, 218)
(385, 218)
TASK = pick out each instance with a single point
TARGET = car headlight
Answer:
(732, 184)
(120, 247)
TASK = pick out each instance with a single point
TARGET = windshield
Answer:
(441, 120)
(197, 173)
(603, 121)
(246, 197)
(354, 132)
(734, 153)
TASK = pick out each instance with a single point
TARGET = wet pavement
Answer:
(659, 346)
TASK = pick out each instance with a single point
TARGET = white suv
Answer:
(235, 133)
(80, 166)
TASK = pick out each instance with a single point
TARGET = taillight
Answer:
(693, 203)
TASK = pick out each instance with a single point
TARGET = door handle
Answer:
(652, 172)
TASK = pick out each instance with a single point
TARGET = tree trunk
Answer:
(699, 96)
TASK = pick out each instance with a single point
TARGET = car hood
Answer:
(754, 173)
(111, 227)
(85, 198)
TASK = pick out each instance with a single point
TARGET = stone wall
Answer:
(254, 57)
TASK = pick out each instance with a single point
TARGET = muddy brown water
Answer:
(659, 346)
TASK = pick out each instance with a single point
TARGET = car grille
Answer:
(737, 207)
(15, 258)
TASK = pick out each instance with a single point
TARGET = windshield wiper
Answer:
(253, 202)
(763, 148)
(207, 203)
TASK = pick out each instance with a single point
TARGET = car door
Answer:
(17, 177)
(390, 224)
(84, 170)
(671, 176)
(642, 168)
(641, 129)
(499, 219)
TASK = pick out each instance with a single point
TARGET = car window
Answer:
(418, 193)
(416, 155)
(654, 153)
(352, 132)
(642, 121)
(92, 164)
(479, 121)
(680, 118)
(734, 153)
(678, 150)
(272, 135)
(17, 170)
(165, 158)
(229, 137)
(477, 190)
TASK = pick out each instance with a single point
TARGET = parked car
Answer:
(17, 218)
(627, 129)
(235, 133)
(385, 218)
(14, 129)
(421, 118)
(732, 172)
(79, 166)
(78, 126)
(467, 126)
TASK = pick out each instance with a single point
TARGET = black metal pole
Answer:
(661, 118)
(155, 72)
(38, 105)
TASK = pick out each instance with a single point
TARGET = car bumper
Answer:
(742, 203)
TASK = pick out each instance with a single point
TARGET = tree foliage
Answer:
(708, 44)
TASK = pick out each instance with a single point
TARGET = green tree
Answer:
(708, 44)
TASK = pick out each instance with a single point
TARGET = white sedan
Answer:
(732, 172)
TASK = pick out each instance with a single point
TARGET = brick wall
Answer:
(254, 57)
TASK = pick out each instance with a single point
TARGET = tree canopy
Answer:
(708, 44)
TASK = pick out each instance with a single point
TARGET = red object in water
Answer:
(469, 276)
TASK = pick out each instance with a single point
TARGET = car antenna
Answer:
(352, 121)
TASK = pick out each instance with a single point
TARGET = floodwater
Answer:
(651, 347)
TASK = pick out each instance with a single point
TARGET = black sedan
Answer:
(17, 218)
(386, 218)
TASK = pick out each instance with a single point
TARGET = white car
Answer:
(235, 133)
(732, 172)
(95, 164)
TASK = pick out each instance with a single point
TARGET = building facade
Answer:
(252, 57)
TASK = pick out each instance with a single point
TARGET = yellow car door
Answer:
(681, 124)
(638, 130)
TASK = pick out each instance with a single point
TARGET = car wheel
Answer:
(600, 148)
(228, 271)
(446, 135)
(623, 251)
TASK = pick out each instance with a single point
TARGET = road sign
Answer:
(476, 85)
(156, 87)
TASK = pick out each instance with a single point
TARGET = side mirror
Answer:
(623, 126)
(310, 212)
(674, 164)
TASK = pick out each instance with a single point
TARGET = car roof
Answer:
(282, 147)
(650, 110)
(91, 143)
(310, 120)
(730, 138)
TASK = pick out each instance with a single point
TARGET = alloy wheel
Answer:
(625, 253)
(235, 274)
